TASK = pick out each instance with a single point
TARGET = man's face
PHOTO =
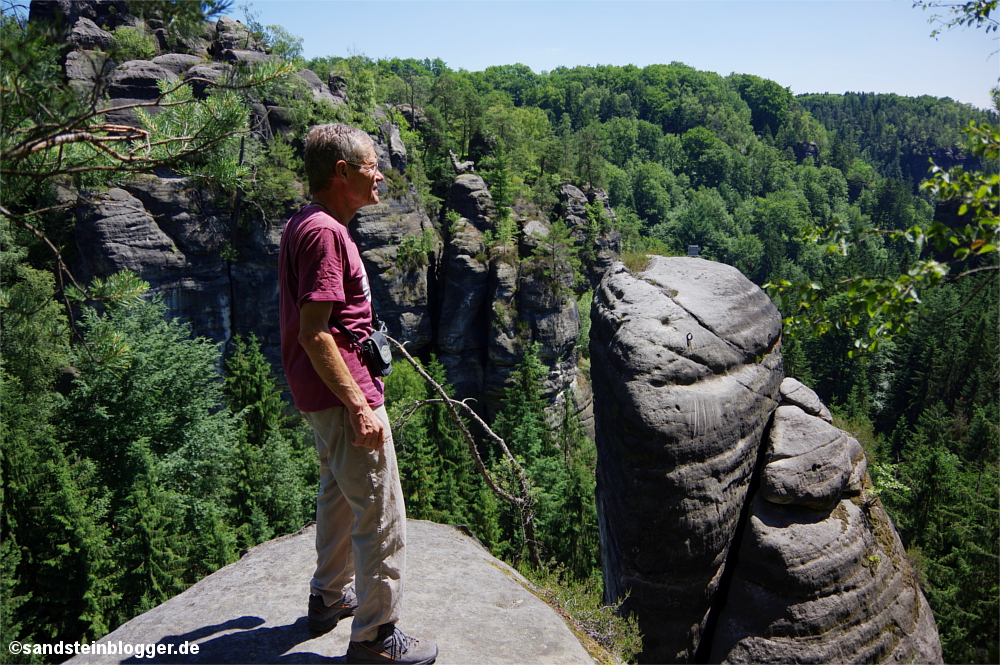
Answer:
(363, 179)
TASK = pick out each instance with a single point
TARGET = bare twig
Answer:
(955, 278)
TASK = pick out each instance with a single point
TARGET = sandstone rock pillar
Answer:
(686, 368)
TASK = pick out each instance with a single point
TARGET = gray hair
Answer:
(328, 144)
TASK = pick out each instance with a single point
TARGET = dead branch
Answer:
(523, 504)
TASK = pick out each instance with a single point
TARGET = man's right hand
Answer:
(369, 430)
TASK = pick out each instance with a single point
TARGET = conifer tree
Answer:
(421, 480)
(418, 461)
(55, 566)
(216, 544)
(12, 628)
(555, 261)
(522, 420)
(271, 492)
(52, 527)
(150, 551)
(251, 391)
(577, 539)
(151, 425)
(523, 425)
(459, 481)
(439, 478)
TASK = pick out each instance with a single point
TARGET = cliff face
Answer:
(401, 293)
(734, 514)
(221, 275)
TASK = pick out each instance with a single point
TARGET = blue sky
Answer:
(805, 45)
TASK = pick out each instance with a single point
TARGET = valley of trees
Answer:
(137, 459)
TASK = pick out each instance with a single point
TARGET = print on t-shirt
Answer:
(364, 283)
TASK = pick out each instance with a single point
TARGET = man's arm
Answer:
(321, 347)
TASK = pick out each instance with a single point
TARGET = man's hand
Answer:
(369, 430)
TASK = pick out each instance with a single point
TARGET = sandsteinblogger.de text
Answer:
(110, 648)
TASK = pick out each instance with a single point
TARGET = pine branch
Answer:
(129, 164)
(74, 137)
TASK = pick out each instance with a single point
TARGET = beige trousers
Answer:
(360, 523)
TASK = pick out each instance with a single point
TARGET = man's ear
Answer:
(340, 168)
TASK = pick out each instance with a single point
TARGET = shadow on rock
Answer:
(783, 516)
(251, 644)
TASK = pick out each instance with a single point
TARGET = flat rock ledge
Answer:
(253, 610)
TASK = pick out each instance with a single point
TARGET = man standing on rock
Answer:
(360, 517)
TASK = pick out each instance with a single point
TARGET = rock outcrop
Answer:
(253, 610)
(177, 63)
(496, 299)
(320, 91)
(806, 150)
(173, 234)
(401, 290)
(115, 232)
(433, 286)
(917, 165)
(795, 392)
(89, 71)
(134, 82)
(809, 462)
(821, 575)
(601, 242)
(464, 317)
(545, 305)
(66, 13)
(87, 35)
(232, 36)
(732, 511)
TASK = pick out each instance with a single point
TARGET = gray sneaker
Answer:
(392, 646)
(323, 618)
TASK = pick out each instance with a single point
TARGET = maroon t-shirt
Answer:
(319, 261)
